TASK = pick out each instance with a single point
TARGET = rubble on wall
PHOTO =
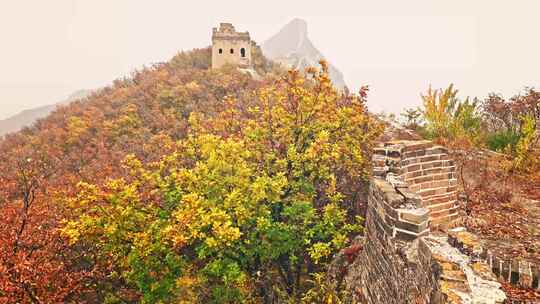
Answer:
(517, 271)
(462, 279)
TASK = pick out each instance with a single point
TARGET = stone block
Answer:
(417, 145)
(394, 199)
(465, 241)
(407, 236)
(379, 151)
(412, 227)
(417, 215)
(390, 210)
(393, 153)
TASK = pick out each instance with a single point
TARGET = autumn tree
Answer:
(451, 120)
(412, 118)
(144, 114)
(29, 244)
(506, 119)
(251, 204)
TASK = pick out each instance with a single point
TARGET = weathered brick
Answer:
(439, 207)
(442, 213)
(411, 168)
(426, 159)
(412, 227)
(440, 200)
(433, 164)
(379, 151)
(418, 215)
(433, 171)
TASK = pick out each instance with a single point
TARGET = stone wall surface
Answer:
(427, 170)
(404, 257)
(517, 271)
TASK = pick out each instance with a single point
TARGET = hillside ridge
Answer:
(27, 117)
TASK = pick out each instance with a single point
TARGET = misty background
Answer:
(49, 49)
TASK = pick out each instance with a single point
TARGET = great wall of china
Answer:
(414, 250)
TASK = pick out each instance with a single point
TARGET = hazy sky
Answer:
(49, 49)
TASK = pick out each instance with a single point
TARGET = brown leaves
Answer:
(86, 141)
(520, 294)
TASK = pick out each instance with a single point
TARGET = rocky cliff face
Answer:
(292, 47)
(28, 117)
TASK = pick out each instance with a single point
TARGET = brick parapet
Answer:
(395, 212)
(426, 169)
(226, 31)
(401, 261)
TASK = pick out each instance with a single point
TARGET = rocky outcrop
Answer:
(292, 47)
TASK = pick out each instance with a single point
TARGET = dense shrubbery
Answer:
(494, 123)
(183, 184)
(86, 141)
(449, 118)
(506, 126)
(502, 140)
(248, 206)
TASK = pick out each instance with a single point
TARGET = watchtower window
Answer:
(243, 52)
(220, 51)
(232, 51)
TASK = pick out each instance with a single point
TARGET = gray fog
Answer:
(48, 49)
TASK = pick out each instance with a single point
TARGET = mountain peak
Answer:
(296, 25)
(292, 47)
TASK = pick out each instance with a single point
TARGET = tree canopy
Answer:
(184, 184)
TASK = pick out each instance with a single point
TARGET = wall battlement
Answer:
(227, 31)
(425, 169)
(403, 257)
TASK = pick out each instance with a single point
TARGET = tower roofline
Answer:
(227, 31)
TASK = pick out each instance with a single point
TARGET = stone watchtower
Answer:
(230, 47)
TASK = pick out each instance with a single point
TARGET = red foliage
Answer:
(352, 252)
(520, 295)
(86, 141)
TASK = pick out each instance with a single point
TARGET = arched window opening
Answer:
(243, 52)
(220, 51)
(232, 51)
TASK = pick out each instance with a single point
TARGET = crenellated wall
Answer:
(402, 261)
(427, 170)
(517, 271)
(404, 257)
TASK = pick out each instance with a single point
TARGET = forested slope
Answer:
(182, 183)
